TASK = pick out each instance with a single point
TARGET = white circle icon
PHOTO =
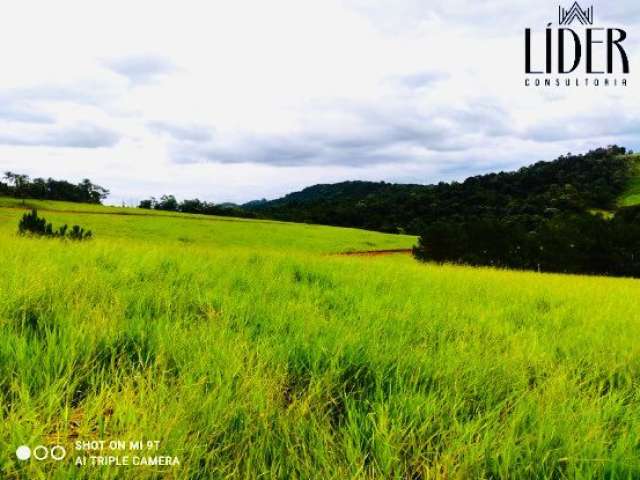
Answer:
(23, 452)
(40, 452)
(61, 452)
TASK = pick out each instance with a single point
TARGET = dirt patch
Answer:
(377, 253)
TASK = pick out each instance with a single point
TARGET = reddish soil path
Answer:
(376, 253)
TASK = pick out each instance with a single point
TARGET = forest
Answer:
(581, 243)
(570, 184)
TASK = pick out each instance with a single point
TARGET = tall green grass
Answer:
(265, 361)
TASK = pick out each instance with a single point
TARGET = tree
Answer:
(167, 202)
(19, 182)
(148, 204)
(92, 193)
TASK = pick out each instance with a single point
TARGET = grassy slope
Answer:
(154, 227)
(632, 195)
(245, 360)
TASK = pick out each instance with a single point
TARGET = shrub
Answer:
(78, 233)
(32, 224)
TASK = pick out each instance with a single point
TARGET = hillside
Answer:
(246, 351)
(631, 194)
(572, 183)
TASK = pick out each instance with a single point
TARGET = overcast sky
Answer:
(238, 100)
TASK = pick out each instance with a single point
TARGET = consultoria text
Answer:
(558, 82)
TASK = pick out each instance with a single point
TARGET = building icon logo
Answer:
(567, 17)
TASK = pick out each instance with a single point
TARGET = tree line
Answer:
(582, 243)
(170, 204)
(21, 186)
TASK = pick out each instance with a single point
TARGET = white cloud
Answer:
(79, 136)
(245, 99)
(141, 68)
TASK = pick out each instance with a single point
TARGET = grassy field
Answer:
(248, 352)
(154, 227)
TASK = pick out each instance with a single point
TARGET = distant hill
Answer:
(571, 183)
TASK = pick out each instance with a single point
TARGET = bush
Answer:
(32, 224)
(78, 233)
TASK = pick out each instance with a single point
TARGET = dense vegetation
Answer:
(248, 352)
(591, 236)
(21, 186)
(569, 243)
(570, 184)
